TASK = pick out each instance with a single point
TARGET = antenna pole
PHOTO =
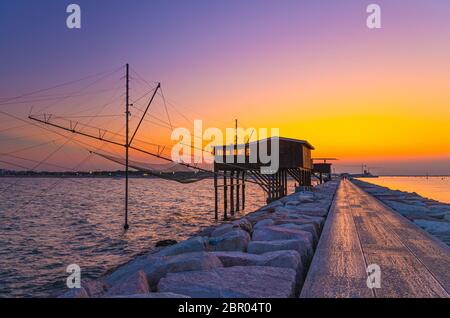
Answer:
(127, 114)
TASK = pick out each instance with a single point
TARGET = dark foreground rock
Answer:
(233, 282)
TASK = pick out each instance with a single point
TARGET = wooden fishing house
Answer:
(234, 163)
(322, 170)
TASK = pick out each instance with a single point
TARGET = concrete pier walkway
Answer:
(361, 231)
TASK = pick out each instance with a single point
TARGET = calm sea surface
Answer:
(437, 188)
(47, 224)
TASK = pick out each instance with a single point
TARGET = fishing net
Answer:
(170, 171)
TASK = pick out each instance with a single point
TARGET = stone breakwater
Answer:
(432, 216)
(265, 254)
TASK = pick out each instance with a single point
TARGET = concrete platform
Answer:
(361, 231)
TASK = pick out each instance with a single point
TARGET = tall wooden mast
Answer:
(127, 117)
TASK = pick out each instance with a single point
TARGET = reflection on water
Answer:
(437, 188)
(81, 222)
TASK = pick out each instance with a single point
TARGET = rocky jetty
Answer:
(264, 254)
(430, 215)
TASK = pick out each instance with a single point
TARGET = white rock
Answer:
(303, 247)
(222, 229)
(158, 267)
(236, 240)
(233, 282)
(263, 223)
(122, 272)
(304, 227)
(195, 244)
(306, 197)
(94, 288)
(285, 259)
(135, 283)
(272, 205)
(274, 233)
(292, 204)
(286, 209)
(316, 222)
(244, 224)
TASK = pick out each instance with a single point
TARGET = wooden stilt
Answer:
(225, 196)
(216, 199)
(238, 179)
(243, 190)
(232, 193)
(285, 183)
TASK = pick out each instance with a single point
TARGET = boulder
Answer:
(158, 267)
(222, 229)
(207, 231)
(287, 199)
(285, 259)
(244, 224)
(306, 197)
(274, 233)
(195, 244)
(316, 222)
(292, 204)
(254, 217)
(315, 210)
(155, 266)
(122, 272)
(135, 283)
(94, 288)
(272, 205)
(303, 247)
(285, 209)
(304, 227)
(263, 223)
(236, 240)
(233, 282)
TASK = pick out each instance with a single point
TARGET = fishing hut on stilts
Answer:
(322, 170)
(234, 164)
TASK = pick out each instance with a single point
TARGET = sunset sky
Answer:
(311, 68)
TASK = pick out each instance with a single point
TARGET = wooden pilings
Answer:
(275, 186)
(232, 206)
(233, 193)
(216, 198)
(225, 197)
(243, 190)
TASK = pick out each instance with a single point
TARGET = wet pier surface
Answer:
(361, 231)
